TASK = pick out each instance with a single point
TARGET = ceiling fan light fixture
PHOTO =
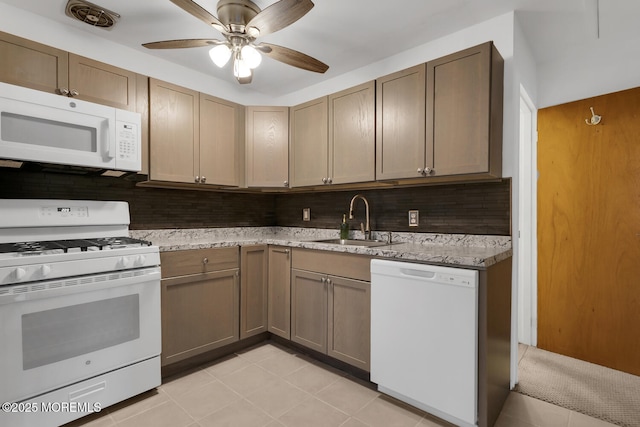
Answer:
(241, 68)
(220, 55)
(251, 56)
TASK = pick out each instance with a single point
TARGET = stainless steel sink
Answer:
(355, 242)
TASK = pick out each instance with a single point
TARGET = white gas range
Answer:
(79, 310)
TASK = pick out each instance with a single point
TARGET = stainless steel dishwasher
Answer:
(424, 337)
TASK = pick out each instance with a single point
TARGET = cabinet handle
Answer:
(197, 179)
(205, 260)
(73, 93)
(203, 179)
(286, 183)
(63, 91)
(281, 251)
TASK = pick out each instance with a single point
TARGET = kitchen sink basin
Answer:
(355, 242)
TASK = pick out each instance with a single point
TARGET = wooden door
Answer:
(464, 94)
(33, 65)
(279, 295)
(349, 321)
(589, 231)
(102, 83)
(400, 124)
(173, 133)
(267, 146)
(254, 268)
(309, 309)
(219, 141)
(309, 148)
(352, 129)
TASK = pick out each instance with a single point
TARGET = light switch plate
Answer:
(414, 218)
(306, 214)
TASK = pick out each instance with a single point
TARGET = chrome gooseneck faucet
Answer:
(366, 229)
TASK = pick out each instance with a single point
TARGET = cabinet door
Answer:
(309, 309)
(352, 144)
(400, 124)
(254, 269)
(199, 313)
(219, 141)
(349, 321)
(459, 111)
(279, 295)
(102, 83)
(30, 64)
(173, 132)
(267, 146)
(309, 147)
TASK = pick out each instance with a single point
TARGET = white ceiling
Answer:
(349, 34)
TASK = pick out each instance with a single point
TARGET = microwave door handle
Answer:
(109, 140)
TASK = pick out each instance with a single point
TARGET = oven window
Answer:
(53, 335)
(50, 133)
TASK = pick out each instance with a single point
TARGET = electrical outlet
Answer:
(414, 218)
(306, 214)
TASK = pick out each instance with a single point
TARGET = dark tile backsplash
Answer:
(482, 208)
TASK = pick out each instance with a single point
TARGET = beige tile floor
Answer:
(270, 385)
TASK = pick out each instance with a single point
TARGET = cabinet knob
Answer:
(324, 180)
(427, 171)
(286, 183)
(329, 180)
(197, 179)
(63, 91)
(420, 171)
(203, 179)
(73, 92)
(205, 260)
(323, 280)
(328, 281)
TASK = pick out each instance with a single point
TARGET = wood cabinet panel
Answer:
(352, 134)
(334, 263)
(254, 268)
(199, 314)
(30, 64)
(309, 149)
(173, 132)
(400, 123)
(102, 83)
(309, 309)
(267, 148)
(349, 321)
(464, 97)
(219, 150)
(279, 295)
(142, 107)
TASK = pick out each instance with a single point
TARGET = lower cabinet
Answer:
(253, 290)
(200, 301)
(279, 294)
(331, 305)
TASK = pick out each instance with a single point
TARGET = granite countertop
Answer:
(447, 249)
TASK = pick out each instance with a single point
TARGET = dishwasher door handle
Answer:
(425, 274)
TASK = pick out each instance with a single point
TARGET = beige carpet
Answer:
(584, 387)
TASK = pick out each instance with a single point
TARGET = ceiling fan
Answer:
(241, 22)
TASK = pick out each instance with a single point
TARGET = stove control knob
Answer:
(45, 270)
(124, 262)
(140, 259)
(20, 273)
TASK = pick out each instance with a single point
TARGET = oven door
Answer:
(56, 333)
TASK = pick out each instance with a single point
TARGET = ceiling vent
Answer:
(91, 14)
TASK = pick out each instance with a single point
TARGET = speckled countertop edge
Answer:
(475, 251)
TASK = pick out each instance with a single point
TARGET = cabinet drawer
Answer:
(195, 261)
(334, 263)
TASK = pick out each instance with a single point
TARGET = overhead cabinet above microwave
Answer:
(42, 127)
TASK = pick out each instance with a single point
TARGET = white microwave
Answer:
(43, 127)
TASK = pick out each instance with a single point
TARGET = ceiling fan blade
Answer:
(181, 44)
(196, 10)
(277, 16)
(293, 57)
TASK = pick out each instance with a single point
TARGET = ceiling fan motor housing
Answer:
(91, 14)
(237, 12)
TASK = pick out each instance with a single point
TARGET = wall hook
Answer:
(595, 119)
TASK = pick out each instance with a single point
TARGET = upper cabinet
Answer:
(309, 147)
(333, 138)
(464, 113)
(194, 138)
(40, 67)
(267, 147)
(352, 135)
(400, 115)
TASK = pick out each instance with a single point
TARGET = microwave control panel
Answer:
(128, 141)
